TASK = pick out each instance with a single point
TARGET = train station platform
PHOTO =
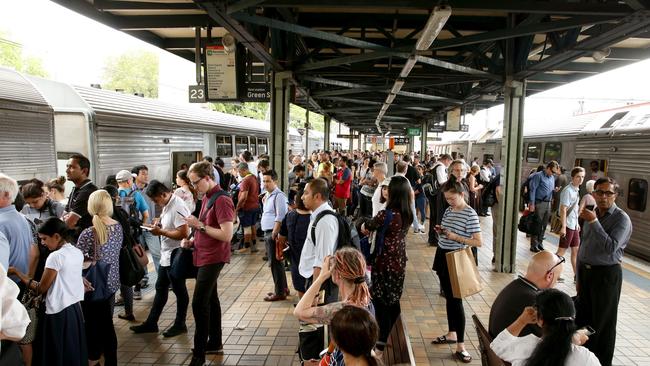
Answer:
(261, 333)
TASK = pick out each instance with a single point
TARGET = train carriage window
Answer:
(552, 151)
(533, 151)
(241, 144)
(262, 146)
(224, 146)
(637, 194)
(253, 146)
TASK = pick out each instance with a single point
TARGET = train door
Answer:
(594, 168)
(181, 159)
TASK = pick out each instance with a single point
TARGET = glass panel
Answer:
(241, 144)
(262, 146)
(224, 146)
(533, 151)
(552, 151)
(637, 194)
(253, 145)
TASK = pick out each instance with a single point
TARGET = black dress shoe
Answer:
(197, 361)
(534, 249)
(540, 247)
(173, 331)
(144, 328)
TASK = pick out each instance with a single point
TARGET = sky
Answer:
(75, 48)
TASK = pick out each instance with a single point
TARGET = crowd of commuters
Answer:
(212, 213)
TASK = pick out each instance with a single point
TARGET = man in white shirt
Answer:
(171, 229)
(274, 210)
(379, 171)
(438, 203)
(327, 231)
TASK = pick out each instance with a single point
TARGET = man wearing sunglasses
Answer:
(606, 233)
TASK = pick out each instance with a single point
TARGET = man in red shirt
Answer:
(248, 206)
(342, 182)
(211, 242)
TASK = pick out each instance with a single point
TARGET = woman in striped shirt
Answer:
(460, 227)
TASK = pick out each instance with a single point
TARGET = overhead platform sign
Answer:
(220, 74)
(453, 120)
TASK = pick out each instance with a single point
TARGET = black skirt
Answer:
(64, 338)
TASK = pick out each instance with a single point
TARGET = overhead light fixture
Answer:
(408, 66)
(397, 86)
(434, 25)
(390, 98)
(600, 55)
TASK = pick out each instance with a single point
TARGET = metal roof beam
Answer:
(351, 100)
(161, 21)
(628, 26)
(522, 30)
(328, 93)
(368, 56)
(343, 84)
(307, 32)
(241, 34)
(455, 67)
(240, 5)
(428, 97)
(141, 5)
(510, 6)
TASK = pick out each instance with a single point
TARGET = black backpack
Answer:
(128, 205)
(348, 235)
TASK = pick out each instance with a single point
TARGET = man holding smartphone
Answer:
(607, 231)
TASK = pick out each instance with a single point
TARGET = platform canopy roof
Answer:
(392, 63)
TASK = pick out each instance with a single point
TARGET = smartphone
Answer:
(588, 331)
(590, 207)
(145, 228)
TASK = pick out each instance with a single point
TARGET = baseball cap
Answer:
(123, 176)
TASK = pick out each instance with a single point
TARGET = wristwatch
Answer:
(202, 228)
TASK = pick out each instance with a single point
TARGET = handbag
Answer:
(139, 251)
(182, 264)
(32, 303)
(95, 277)
(463, 273)
(530, 223)
(311, 342)
(131, 269)
(556, 220)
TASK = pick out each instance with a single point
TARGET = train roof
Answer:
(633, 120)
(64, 97)
(17, 92)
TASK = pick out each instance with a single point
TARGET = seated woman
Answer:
(62, 328)
(355, 332)
(555, 313)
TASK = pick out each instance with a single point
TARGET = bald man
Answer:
(542, 273)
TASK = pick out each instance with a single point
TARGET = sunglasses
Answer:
(604, 193)
(562, 260)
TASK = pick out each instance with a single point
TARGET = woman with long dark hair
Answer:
(354, 332)
(185, 190)
(554, 312)
(460, 227)
(389, 267)
(63, 336)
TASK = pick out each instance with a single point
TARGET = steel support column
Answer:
(360, 142)
(307, 154)
(351, 142)
(326, 133)
(505, 242)
(423, 141)
(280, 97)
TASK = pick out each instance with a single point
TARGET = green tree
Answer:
(250, 110)
(11, 55)
(133, 72)
(297, 119)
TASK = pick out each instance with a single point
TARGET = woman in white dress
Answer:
(185, 190)
(555, 313)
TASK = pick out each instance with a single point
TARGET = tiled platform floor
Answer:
(261, 333)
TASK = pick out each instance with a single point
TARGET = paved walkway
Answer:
(261, 333)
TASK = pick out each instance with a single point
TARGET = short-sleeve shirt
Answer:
(187, 197)
(109, 252)
(4, 250)
(249, 184)
(50, 208)
(509, 304)
(78, 205)
(274, 210)
(208, 250)
(171, 219)
(463, 223)
(327, 233)
(140, 203)
(569, 197)
(67, 288)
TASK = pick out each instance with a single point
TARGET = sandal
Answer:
(443, 340)
(463, 357)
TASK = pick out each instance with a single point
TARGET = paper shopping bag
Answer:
(463, 273)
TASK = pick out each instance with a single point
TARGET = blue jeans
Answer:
(153, 243)
(420, 205)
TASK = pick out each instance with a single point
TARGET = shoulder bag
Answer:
(95, 276)
(463, 273)
(556, 220)
(32, 302)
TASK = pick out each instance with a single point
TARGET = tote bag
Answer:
(463, 273)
